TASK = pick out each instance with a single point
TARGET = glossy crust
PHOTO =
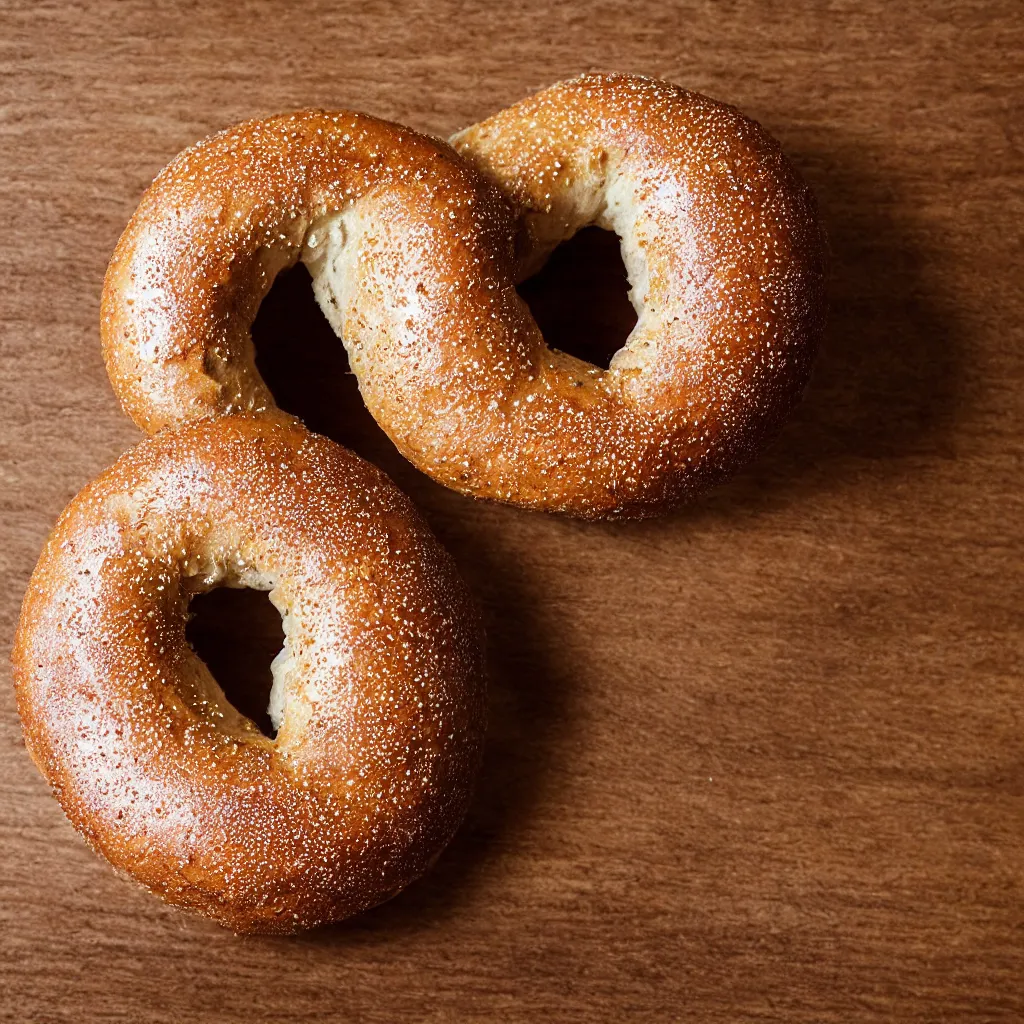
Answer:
(726, 262)
(222, 220)
(415, 258)
(379, 691)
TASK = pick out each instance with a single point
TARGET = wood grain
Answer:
(760, 761)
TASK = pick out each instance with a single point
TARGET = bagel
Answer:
(378, 694)
(223, 219)
(726, 264)
(415, 266)
(725, 258)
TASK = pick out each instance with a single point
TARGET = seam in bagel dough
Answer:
(324, 253)
(620, 214)
(606, 200)
(284, 666)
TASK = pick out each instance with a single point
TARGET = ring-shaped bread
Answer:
(378, 694)
(726, 265)
(415, 263)
(228, 214)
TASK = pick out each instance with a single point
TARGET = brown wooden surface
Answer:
(762, 760)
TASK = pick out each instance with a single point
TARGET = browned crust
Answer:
(449, 360)
(372, 768)
(735, 296)
(212, 231)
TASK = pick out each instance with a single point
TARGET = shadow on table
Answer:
(885, 387)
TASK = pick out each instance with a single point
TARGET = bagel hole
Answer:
(580, 297)
(238, 633)
(299, 356)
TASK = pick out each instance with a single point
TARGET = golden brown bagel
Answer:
(726, 260)
(417, 270)
(219, 223)
(378, 693)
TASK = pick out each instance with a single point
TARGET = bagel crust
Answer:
(725, 258)
(726, 264)
(415, 256)
(223, 219)
(378, 694)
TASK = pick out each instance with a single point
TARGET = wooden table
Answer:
(761, 760)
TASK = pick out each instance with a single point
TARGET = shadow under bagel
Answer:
(889, 383)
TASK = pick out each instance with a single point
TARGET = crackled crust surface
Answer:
(725, 259)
